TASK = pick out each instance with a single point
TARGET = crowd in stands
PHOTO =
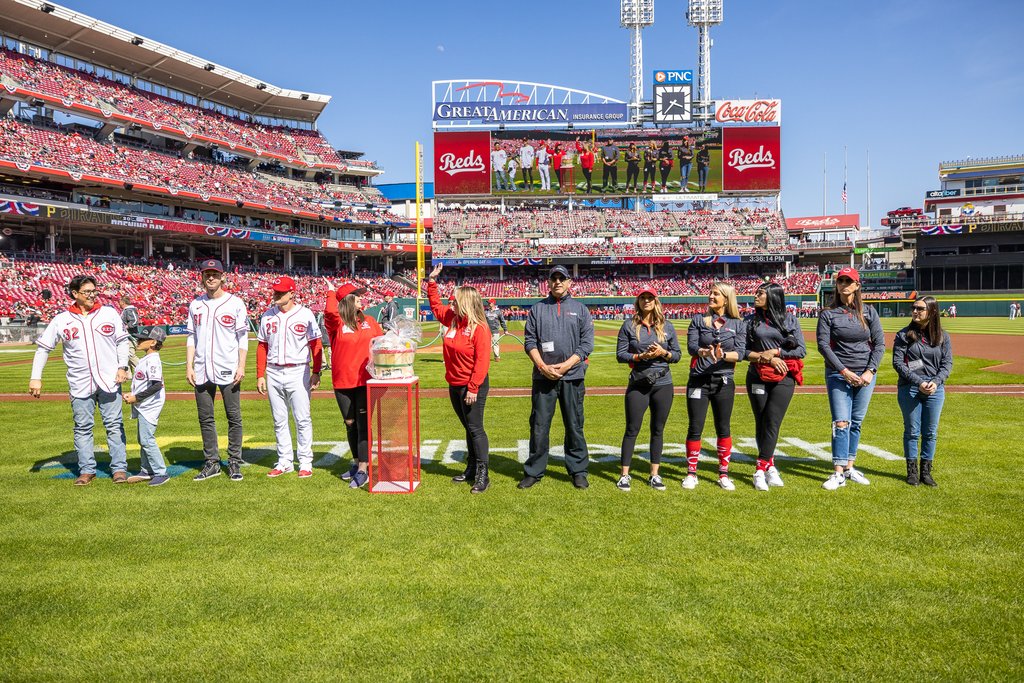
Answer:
(308, 147)
(485, 231)
(24, 143)
(162, 289)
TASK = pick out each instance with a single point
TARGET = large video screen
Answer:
(623, 161)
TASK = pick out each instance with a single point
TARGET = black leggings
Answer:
(588, 174)
(352, 403)
(472, 418)
(528, 177)
(649, 173)
(665, 170)
(769, 401)
(632, 174)
(719, 392)
(637, 400)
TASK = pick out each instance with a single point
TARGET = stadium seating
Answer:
(20, 142)
(162, 291)
(308, 147)
(586, 232)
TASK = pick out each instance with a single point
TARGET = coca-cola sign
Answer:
(846, 220)
(462, 163)
(749, 111)
(751, 159)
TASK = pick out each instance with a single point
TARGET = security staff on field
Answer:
(559, 339)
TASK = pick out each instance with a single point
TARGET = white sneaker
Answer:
(690, 482)
(773, 477)
(759, 482)
(624, 482)
(856, 477)
(726, 483)
(834, 481)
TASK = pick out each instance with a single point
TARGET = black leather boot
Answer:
(926, 473)
(912, 473)
(468, 475)
(482, 481)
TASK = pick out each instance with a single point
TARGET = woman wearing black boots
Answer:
(467, 359)
(922, 356)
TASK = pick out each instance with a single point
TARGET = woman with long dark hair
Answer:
(648, 342)
(351, 332)
(775, 349)
(851, 340)
(716, 340)
(922, 356)
(467, 359)
(632, 166)
(650, 166)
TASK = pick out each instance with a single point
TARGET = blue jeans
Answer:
(920, 419)
(702, 176)
(684, 176)
(850, 405)
(84, 410)
(500, 180)
(151, 457)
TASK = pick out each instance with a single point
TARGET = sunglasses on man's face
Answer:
(557, 278)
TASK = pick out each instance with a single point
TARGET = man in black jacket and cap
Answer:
(559, 339)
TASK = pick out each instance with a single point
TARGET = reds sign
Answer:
(751, 159)
(462, 163)
(748, 111)
(848, 220)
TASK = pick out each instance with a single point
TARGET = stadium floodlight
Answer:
(636, 15)
(137, 41)
(703, 14)
(209, 67)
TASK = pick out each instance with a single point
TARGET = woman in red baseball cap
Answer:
(851, 340)
(351, 332)
(648, 343)
(467, 359)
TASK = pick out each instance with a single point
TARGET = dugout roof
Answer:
(78, 35)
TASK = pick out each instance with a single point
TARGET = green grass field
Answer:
(307, 580)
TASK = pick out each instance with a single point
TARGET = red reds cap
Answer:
(388, 292)
(350, 288)
(283, 284)
(649, 289)
(492, 301)
(850, 273)
(212, 264)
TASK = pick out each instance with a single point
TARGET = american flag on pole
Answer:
(844, 193)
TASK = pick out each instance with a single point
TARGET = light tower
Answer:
(704, 14)
(635, 15)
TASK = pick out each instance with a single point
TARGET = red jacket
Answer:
(350, 349)
(586, 158)
(467, 358)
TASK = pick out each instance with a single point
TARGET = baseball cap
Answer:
(649, 289)
(559, 270)
(212, 264)
(350, 288)
(388, 292)
(155, 333)
(283, 284)
(492, 301)
(850, 273)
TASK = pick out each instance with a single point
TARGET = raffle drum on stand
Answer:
(393, 417)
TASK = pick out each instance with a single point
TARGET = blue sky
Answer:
(916, 82)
